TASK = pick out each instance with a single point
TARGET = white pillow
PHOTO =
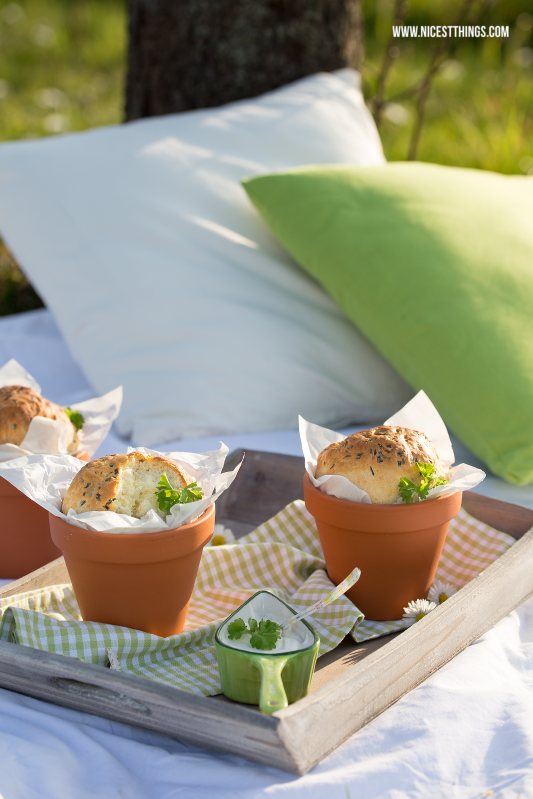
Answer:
(163, 278)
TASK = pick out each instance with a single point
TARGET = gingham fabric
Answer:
(282, 556)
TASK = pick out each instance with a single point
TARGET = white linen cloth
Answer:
(467, 731)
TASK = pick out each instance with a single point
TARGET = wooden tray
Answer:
(352, 684)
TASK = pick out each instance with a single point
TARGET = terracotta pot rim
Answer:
(387, 520)
(132, 547)
(132, 538)
(374, 507)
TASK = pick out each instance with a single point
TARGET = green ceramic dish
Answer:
(271, 680)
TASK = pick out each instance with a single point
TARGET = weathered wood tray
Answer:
(352, 684)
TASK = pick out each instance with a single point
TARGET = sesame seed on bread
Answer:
(122, 484)
(375, 460)
(19, 405)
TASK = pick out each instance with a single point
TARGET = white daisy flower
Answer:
(417, 609)
(112, 656)
(441, 591)
(222, 535)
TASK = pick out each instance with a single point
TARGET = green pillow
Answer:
(435, 266)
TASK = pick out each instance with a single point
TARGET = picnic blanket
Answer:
(283, 556)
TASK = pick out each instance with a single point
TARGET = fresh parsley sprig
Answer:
(407, 488)
(264, 634)
(77, 419)
(167, 496)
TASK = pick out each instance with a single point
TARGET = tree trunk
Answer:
(186, 54)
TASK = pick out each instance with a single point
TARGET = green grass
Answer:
(62, 68)
(478, 114)
(480, 111)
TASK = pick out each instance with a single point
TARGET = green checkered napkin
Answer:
(282, 556)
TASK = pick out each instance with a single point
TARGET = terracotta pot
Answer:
(138, 580)
(397, 547)
(25, 542)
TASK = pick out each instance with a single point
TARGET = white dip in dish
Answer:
(267, 606)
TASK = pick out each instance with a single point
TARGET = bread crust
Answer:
(19, 405)
(375, 460)
(99, 484)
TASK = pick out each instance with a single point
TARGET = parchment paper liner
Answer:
(47, 436)
(46, 478)
(419, 414)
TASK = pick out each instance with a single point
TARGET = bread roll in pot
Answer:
(19, 405)
(122, 484)
(375, 460)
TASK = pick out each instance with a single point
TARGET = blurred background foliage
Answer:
(62, 68)
(480, 110)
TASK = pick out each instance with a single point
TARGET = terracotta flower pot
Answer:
(25, 542)
(138, 580)
(397, 547)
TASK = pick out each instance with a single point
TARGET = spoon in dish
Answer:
(331, 597)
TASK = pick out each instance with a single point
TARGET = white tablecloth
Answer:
(466, 732)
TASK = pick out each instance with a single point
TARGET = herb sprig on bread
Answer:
(407, 489)
(77, 418)
(167, 496)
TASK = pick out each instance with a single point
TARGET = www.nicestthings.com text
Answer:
(450, 31)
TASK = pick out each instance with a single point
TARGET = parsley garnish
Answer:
(167, 496)
(75, 417)
(264, 635)
(407, 488)
(237, 628)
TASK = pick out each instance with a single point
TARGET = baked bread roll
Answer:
(19, 405)
(123, 484)
(375, 460)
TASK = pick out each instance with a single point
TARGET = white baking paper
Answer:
(46, 478)
(48, 436)
(419, 414)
